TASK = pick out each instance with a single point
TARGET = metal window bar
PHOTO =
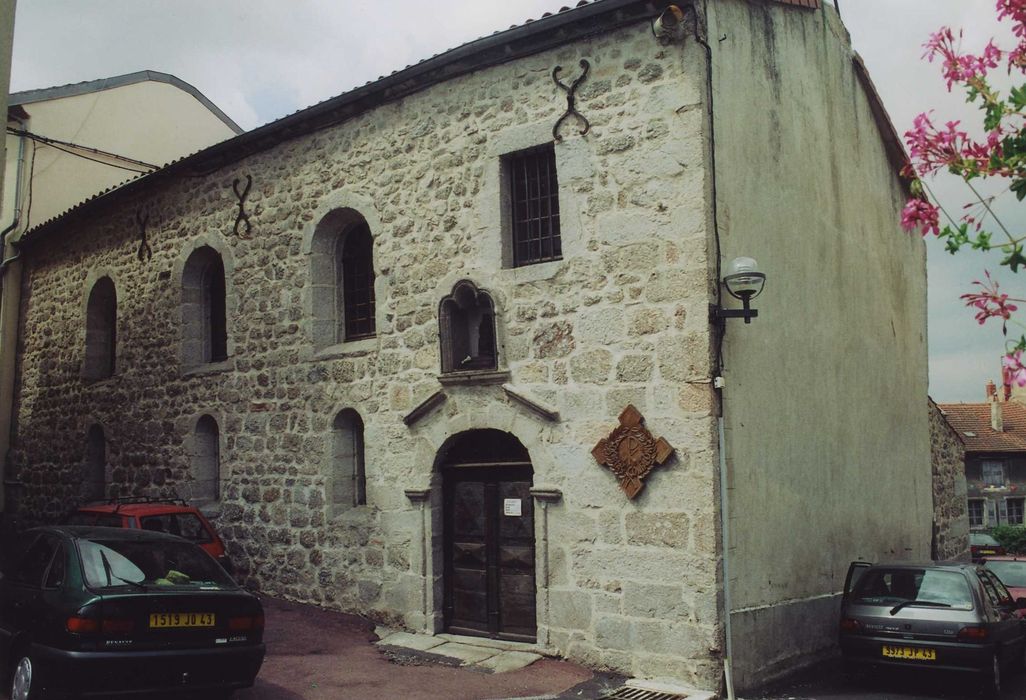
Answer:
(358, 284)
(535, 207)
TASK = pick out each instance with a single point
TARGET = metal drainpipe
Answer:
(728, 671)
(17, 202)
(6, 300)
(728, 660)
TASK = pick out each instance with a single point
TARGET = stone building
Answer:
(994, 435)
(395, 341)
(70, 142)
(950, 510)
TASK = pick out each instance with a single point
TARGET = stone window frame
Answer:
(346, 464)
(195, 353)
(205, 459)
(324, 243)
(95, 446)
(100, 337)
(983, 512)
(454, 327)
(1019, 506)
(577, 168)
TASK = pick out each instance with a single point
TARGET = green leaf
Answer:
(1019, 187)
(1015, 258)
(1018, 97)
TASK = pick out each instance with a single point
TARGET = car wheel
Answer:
(992, 682)
(25, 680)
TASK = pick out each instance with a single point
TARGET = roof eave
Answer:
(501, 47)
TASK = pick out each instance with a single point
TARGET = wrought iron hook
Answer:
(571, 96)
(144, 252)
(242, 216)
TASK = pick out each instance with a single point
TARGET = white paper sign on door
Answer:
(512, 506)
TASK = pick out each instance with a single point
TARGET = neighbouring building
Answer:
(950, 508)
(994, 434)
(68, 143)
(444, 350)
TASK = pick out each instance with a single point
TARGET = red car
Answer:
(1011, 570)
(174, 517)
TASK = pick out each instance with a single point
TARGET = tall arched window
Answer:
(94, 467)
(342, 279)
(204, 316)
(347, 477)
(101, 330)
(206, 460)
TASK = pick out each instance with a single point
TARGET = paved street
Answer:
(318, 655)
(828, 681)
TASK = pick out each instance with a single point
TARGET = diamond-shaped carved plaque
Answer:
(631, 452)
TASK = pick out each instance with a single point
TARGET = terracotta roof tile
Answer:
(972, 423)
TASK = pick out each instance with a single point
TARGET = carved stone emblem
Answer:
(631, 452)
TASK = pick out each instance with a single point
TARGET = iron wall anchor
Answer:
(571, 109)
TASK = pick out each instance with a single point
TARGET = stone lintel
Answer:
(533, 405)
(474, 377)
(426, 406)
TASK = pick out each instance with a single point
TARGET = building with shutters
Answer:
(440, 350)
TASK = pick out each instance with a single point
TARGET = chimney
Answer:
(991, 390)
(995, 413)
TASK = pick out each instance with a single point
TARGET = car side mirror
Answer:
(1020, 603)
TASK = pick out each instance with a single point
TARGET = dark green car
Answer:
(103, 612)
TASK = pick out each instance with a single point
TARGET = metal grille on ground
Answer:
(642, 694)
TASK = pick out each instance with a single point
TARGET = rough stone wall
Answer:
(950, 515)
(627, 585)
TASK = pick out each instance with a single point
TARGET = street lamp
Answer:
(743, 281)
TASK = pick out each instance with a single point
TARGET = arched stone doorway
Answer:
(489, 560)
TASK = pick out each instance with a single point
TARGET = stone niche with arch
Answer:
(467, 332)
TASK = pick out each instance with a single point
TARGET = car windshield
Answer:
(118, 563)
(1011, 573)
(913, 586)
(981, 539)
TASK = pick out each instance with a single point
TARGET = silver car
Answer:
(955, 617)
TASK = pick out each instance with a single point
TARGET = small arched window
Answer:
(94, 467)
(101, 330)
(466, 320)
(342, 279)
(347, 476)
(206, 460)
(204, 315)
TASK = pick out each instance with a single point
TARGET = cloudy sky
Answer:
(262, 59)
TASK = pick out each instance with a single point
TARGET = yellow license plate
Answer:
(909, 653)
(987, 551)
(181, 619)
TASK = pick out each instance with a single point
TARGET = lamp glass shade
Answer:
(743, 278)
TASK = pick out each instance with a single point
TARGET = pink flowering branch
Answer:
(991, 302)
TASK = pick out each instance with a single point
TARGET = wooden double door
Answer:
(489, 552)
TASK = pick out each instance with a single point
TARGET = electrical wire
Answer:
(65, 146)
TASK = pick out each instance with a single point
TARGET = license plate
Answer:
(909, 653)
(181, 619)
(987, 551)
